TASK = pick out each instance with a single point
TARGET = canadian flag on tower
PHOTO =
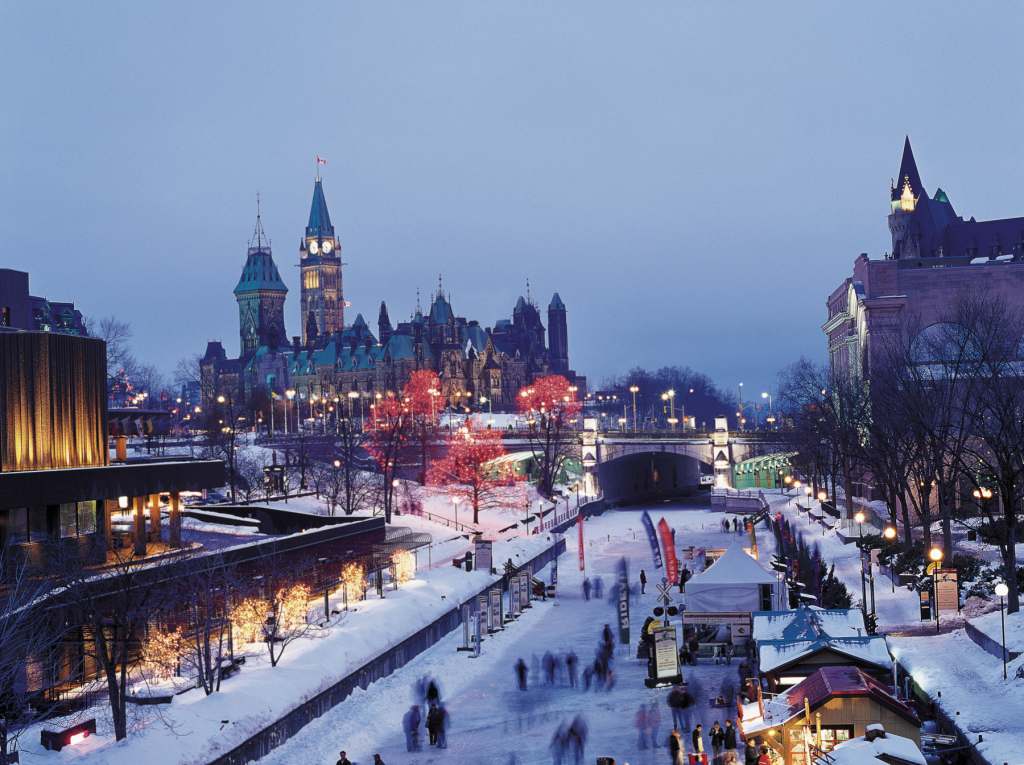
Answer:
(320, 160)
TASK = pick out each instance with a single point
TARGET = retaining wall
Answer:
(381, 666)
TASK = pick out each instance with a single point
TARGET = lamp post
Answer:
(455, 501)
(935, 555)
(290, 396)
(634, 389)
(859, 517)
(1002, 591)
(889, 534)
(768, 395)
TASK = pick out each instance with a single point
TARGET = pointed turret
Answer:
(319, 218)
(384, 329)
(908, 175)
(558, 335)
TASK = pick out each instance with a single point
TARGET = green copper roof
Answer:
(260, 273)
(319, 217)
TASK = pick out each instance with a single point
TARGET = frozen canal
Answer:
(491, 720)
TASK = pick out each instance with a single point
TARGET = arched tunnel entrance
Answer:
(651, 476)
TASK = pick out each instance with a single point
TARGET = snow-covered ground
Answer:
(491, 721)
(195, 727)
(970, 680)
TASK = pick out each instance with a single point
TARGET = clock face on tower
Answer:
(326, 247)
(314, 247)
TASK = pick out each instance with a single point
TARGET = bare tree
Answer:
(203, 600)
(117, 335)
(27, 637)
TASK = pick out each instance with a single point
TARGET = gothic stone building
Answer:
(936, 257)
(331, 360)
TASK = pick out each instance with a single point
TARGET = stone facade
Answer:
(936, 257)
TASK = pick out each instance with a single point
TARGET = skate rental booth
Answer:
(735, 583)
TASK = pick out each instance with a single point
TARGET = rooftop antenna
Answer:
(418, 309)
(529, 299)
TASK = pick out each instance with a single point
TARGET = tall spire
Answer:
(319, 218)
(258, 237)
(908, 174)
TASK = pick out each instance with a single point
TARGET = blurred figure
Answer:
(598, 588)
(521, 674)
(577, 739)
(653, 723)
(678, 701)
(586, 588)
(643, 582)
(411, 726)
(558, 744)
(640, 721)
(548, 662)
(570, 668)
(675, 747)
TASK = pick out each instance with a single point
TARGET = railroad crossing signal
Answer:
(664, 597)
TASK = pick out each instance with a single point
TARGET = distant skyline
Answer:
(693, 179)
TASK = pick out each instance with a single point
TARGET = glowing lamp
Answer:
(1002, 590)
(889, 533)
(822, 496)
(122, 502)
(935, 554)
(57, 740)
(859, 517)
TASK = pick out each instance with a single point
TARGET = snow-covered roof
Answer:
(892, 749)
(734, 567)
(808, 623)
(773, 654)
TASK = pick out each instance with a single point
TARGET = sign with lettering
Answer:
(524, 590)
(494, 615)
(482, 553)
(947, 590)
(666, 653)
(623, 583)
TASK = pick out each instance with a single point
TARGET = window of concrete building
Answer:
(77, 518)
(5, 316)
(16, 525)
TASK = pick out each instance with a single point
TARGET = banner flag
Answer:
(579, 526)
(623, 584)
(652, 539)
(668, 545)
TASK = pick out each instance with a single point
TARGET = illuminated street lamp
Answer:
(859, 517)
(1002, 591)
(822, 495)
(290, 395)
(889, 535)
(935, 555)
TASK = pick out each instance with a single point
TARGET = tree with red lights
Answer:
(466, 470)
(422, 393)
(388, 438)
(552, 411)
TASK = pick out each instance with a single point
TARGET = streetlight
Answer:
(889, 534)
(935, 555)
(455, 501)
(290, 394)
(859, 517)
(634, 389)
(1002, 591)
(767, 395)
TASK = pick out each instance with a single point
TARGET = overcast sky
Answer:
(692, 177)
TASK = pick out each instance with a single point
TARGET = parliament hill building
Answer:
(334, 359)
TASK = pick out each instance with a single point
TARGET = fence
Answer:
(275, 734)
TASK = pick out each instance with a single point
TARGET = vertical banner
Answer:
(579, 526)
(652, 539)
(494, 615)
(513, 597)
(524, 590)
(483, 613)
(623, 584)
(669, 547)
(476, 633)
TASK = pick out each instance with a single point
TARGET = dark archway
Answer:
(651, 476)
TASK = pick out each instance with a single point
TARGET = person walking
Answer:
(729, 737)
(377, 760)
(717, 736)
(698, 740)
(433, 718)
(750, 753)
(653, 723)
(640, 721)
(442, 727)
(521, 674)
(677, 702)
(571, 663)
(586, 588)
(598, 588)
(684, 574)
(764, 758)
(343, 759)
(411, 723)
(675, 747)
(643, 582)
(729, 651)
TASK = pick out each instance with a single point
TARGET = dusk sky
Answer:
(692, 178)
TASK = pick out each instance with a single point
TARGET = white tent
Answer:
(734, 582)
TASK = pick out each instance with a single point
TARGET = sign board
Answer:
(666, 653)
(476, 632)
(739, 622)
(623, 584)
(706, 480)
(524, 590)
(513, 597)
(483, 612)
(482, 555)
(926, 605)
(467, 615)
(947, 590)
(494, 612)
